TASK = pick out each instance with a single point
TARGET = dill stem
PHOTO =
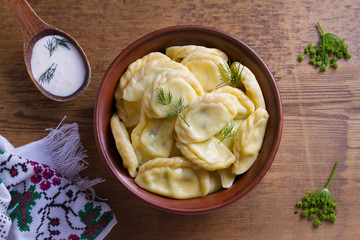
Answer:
(331, 176)
(184, 120)
(178, 114)
(322, 31)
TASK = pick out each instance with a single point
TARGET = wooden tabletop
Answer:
(321, 109)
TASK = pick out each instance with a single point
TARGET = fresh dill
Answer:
(231, 74)
(320, 205)
(228, 131)
(54, 42)
(328, 44)
(48, 74)
(166, 101)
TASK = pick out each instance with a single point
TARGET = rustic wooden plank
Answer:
(321, 110)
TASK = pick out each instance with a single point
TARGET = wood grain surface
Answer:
(321, 109)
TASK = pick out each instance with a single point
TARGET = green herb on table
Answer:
(228, 131)
(166, 101)
(320, 205)
(231, 75)
(48, 74)
(329, 45)
(54, 42)
(301, 58)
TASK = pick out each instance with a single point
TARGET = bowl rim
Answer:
(256, 179)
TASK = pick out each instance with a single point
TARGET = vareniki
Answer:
(183, 128)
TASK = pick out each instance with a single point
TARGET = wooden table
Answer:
(321, 109)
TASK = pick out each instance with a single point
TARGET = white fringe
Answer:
(67, 154)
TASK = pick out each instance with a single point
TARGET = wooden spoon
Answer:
(33, 29)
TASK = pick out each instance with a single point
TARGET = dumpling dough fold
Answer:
(153, 138)
(253, 90)
(206, 116)
(210, 154)
(181, 84)
(174, 177)
(178, 53)
(251, 135)
(245, 106)
(206, 68)
(123, 145)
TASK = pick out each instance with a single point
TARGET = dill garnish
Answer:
(54, 42)
(321, 204)
(328, 45)
(166, 101)
(48, 74)
(231, 74)
(226, 132)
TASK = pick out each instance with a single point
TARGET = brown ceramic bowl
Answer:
(159, 41)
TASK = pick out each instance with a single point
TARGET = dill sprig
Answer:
(54, 42)
(328, 44)
(228, 131)
(48, 74)
(320, 205)
(231, 74)
(166, 101)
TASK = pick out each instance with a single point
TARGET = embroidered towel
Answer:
(42, 195)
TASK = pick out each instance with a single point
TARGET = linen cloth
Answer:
(42, 195)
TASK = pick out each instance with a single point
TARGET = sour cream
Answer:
(70, 70)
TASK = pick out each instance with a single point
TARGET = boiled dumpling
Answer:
(215, 182)
(251, 135)
(173, 177)
(253, 90)
(206, 116)
(135, 66)
(227, 177)
(123, 145)
(153, 138)
(178, 53)
(129, 112)
(244, 107)
(209, 154)
(145, 75)
(180, 84)
(134, 82)
(206, 68)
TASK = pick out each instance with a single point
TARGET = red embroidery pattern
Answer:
(45, 176)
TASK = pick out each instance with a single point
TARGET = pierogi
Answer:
(182, 132)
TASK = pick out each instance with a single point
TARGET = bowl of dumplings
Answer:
(188, 119)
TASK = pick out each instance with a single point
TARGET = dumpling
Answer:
(178, 53)
(134, 82)
(180, 84)
(153, 138)
(206, 116)
(253, 90)
(206, 68)
(227, 177)
(173, 177)
(137, 85)
(215, 182)
(175, 152)
(244, 107)
(129, 112)
(123, 145)
(210, 154)
(135, 66)
(251, 135)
